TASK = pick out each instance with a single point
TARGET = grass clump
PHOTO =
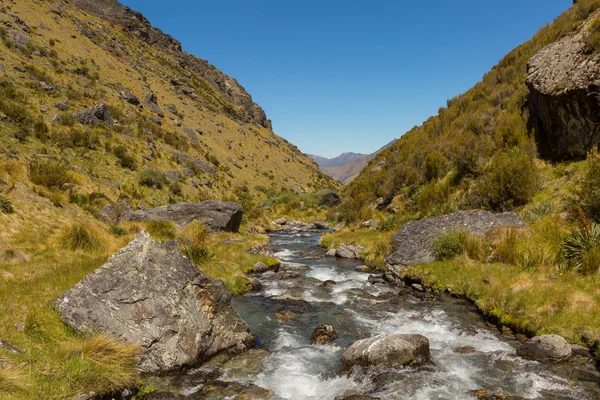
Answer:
(6, 206)
(590, 189)
(83, 236)
(152, 178)
(580, 250)
(196, 253)
(161, 230)
(50, 174)
(449, 245)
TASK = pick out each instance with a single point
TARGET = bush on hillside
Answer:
(510, 181)
(152, 178)
(49, 174)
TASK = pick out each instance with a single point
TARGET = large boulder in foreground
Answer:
(387, 350)
(413, 242)
(215, 215)
(545, 348)
(564, 97)
(148, 293)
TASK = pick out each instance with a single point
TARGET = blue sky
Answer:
(350, 75)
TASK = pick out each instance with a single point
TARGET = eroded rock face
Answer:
(387, 350)
(148, 293)
(548, 348)
(413, 242)
(215, 215)
(564, 97)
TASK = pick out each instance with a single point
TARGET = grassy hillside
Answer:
(477, 152)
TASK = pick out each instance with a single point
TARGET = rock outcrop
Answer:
(99, 114)
(215, 215)
(387, 350)
(564, 97)
(546, 348)
(330, 198)
(148, 293)
(413, 242)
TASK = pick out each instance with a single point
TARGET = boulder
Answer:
(130, 97)
(148, 293)
(99, 114)
(413, 242)
(260, 267)
(290, 266)
(564, 97)
(323, 334)
(547, 348)
(115, 213)
(320, 225)
(330, 253)
(216, 215)
(330, 198)
(349, 251)
(387, 350)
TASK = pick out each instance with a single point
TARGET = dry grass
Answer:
(376, 243)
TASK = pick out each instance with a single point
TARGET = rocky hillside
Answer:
(480, 150)
(90, 88)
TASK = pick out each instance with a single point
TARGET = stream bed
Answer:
(467, 353)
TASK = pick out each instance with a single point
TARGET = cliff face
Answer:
(134, 22)
(564, 96)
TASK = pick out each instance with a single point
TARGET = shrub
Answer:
(117, 230)
(507, 251)
(162, 230)
(50, 174)
(590, 191)
(510, 181)
(592, 39)
(6, 205)
(581, 249)
(81, 236)
(40, 129)
(449, 245)
(152, 178)
(197, 254)
(435, 165)
(434, 199)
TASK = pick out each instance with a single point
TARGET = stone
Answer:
(374, 279)
(564, 97)
(413, 242)
(417, 287)
(290, 266)
(280, 221)
(321, 225)
(4, 345)
(387, 350)
(328, 283)
(255, 284)
(130, 97)
(148, 293)
(369, 224)
(545, 348)
(349, 251)
(364, 268)
(330, 253)
(188, 91)
(521, 338)
(61, 106)
(115, 213)
(578, 350)
(330, 198)
(215, 215)
(465, 350)
(323, 334)
(261, 250)
(260, 267)
(98, 114)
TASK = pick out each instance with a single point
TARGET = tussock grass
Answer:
(6, 206)
(83, 236)
(49, 174)
(161, 230)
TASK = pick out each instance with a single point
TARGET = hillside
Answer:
(454, 159)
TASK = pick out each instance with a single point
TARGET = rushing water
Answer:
(296, 369)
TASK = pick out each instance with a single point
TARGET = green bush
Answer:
(152, 178)
(6, 205)
(449, 245)
(510, 181)
(590, 190)
(580, 250)
(50, 174)
(80, 236)
(197, 254)
(162, 230)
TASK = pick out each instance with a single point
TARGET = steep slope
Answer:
(167, 110)
(477, 152)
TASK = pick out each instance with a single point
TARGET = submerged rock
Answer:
(323, 334)
(215, 215)
(413, 242)
(387, 350)
(148, 293)
(548, 348)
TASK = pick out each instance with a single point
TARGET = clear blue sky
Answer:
(350, 75)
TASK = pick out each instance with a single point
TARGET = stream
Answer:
(467, 353)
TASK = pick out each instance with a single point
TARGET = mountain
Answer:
(346, 166)
(92, 86)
